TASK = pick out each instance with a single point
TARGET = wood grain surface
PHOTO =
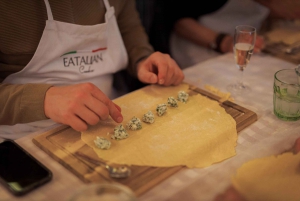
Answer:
(63, 142)
(276, 44)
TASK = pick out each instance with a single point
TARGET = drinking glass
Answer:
(243, 45)
(286, 98)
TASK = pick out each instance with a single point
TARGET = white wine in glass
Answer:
(244, 41)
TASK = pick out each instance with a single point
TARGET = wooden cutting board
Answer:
(277, 41)
(63, 142)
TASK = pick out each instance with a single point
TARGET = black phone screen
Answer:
(19, 171)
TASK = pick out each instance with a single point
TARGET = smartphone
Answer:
(20, 172)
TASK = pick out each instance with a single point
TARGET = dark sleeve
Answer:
(134, 36)
(191, 8)
(22, 103)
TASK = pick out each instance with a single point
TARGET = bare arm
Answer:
(190, 29)
(195, 32)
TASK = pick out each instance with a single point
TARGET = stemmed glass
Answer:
(244, 40)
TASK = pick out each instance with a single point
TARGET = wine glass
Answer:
(243, 45)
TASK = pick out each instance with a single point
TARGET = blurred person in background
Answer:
(191, 33)
(201, 36)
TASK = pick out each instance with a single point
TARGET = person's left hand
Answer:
(161, 69)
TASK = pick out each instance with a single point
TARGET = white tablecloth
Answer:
(267, 136)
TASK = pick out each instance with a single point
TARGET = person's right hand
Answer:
(227, 44)
(80, 105)
(259, 44)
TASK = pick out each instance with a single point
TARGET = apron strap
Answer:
(106, 3)
(49, 12)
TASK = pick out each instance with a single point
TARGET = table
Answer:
(267, 136)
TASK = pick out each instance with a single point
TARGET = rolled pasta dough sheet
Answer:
(287, 36)
(194, 134)
(275, 178)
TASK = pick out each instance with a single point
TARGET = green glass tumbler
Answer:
(286, 98)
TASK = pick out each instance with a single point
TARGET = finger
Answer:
(113, 111)
(118, 107)
(296, 147)
(260, 42)
(101, 112)
(170, 69)
(169, 76)
(147, 76)
(175, 72)
(77, 123)
(93, 113)
(162, 70)
(179, 78)
(178, 75)
(256, 50)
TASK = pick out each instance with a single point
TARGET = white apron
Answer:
(70, 54)
(233, 13)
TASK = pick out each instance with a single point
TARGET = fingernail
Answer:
(161, 81)
(119, 119)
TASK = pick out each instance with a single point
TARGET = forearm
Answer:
(22, 103)
(191, 30)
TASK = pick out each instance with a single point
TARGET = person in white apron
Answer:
(224, 20)
(70, 54)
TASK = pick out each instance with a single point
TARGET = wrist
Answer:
(227, 44)
(47, 108)
(217, 44)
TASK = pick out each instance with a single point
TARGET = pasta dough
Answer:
(194, 134)
(287, 36)
(270, 178)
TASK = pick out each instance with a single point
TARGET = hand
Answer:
(259, 44)
(227, 44)
(80, 105)
(161, 69)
